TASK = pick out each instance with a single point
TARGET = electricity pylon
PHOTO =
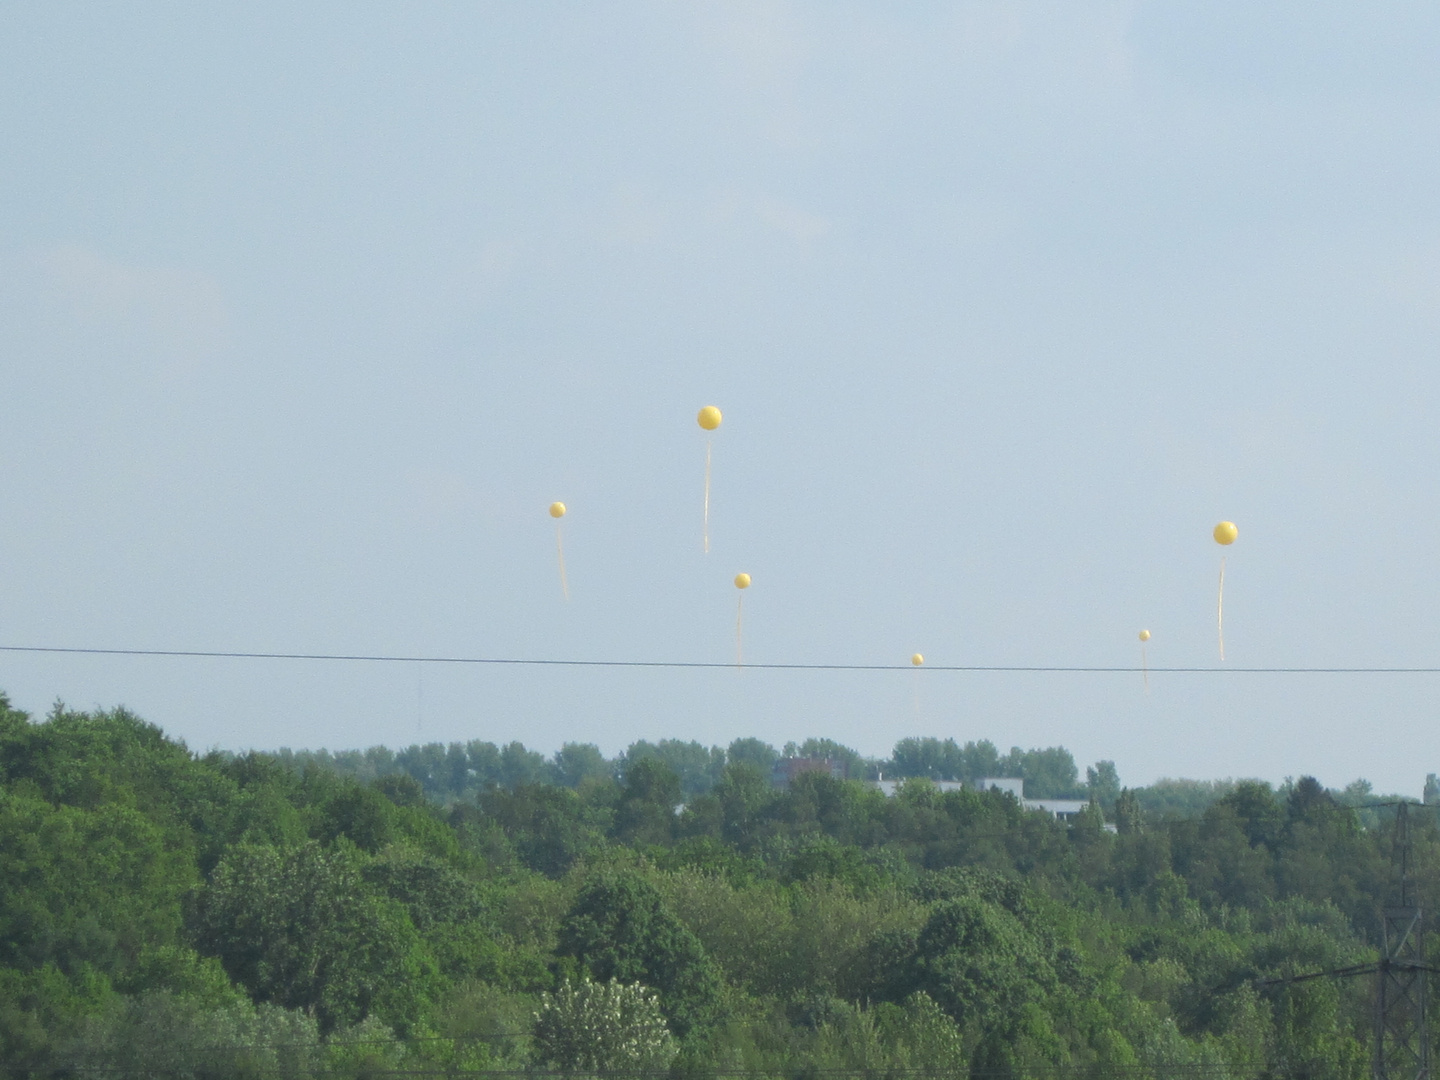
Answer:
(1400, 1048)
(1402, 978)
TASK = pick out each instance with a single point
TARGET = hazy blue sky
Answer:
(308, 311)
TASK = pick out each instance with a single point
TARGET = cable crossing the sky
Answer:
(500, 661)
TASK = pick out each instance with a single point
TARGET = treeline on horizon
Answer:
(451, 772)
(171, 914)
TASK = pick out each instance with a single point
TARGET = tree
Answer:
(754, 752)
(86, 887)
(979, 962)
(620, 929)
(431, 892)
(853, 764)
(743, 794)
(602, 1027)
(299, 928)
(697, 766)
(1253, 802)
(1306, 797)
(1128, 816)
(159, 1034)
(362, 815)
(927, 757)
(576, 763)
(1102, 782)
(1049, 774)
(646, 813)
(520, 766)
(550, 827)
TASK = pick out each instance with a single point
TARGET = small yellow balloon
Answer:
(1226, 532)
(709, 418)
(557, 509)
(1144, 635)
(917, 659)
(742, 581)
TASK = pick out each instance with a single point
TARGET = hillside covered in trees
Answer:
(453, 909)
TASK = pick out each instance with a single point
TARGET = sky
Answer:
(309, 311)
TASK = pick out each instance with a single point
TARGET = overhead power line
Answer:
(502, 661)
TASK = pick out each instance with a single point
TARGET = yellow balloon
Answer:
(557, 509)
(917, 659)
(709, 418)
(1144, 635)
(1226, 532)
(742, 581)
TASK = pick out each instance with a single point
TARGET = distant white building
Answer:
(1059, 809)
(1011, 785)
(890, 787)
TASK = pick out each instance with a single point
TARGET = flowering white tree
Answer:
(587, 1026)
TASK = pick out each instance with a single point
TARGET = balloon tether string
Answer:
(560, 553)
(1144, 669)
(739, 615)
(709, 445)
(1220, 609)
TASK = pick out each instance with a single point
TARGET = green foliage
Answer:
(587, 1026)
(936, 760)
(550, 828)
(620, 929)
(299, 928)
(1048, 774)
(697, 768)
(138, 1038)
(579, 763)
(854, 766)
(1103, 783)
(39, 1008)
(754, 752)
(646, 810)
(490, 1026)
(85, 885)
(1181, 798)
(365, 911)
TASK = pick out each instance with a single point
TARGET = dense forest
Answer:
(446, 910)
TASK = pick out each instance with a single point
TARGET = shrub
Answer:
(587, 1026)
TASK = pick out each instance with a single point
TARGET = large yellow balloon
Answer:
(742, 581)
(1144, 635)
(1226, 532)
(709, 418)
(917, 659)
(557, 509)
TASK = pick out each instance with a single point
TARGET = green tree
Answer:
(697, 766)
(300, 929)
(928, 757)
(646, 813)
(620, 929)
(754, 752)
(575, 763)
(180, 1038)
(86, 886)
(854, 767)
(551, 828)
(519, 766)
(1102, 783)
(1128, 815)
(989, 958)
(1049, 774)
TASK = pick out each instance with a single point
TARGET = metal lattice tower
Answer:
(1401, 1043)
(1402, 1039)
